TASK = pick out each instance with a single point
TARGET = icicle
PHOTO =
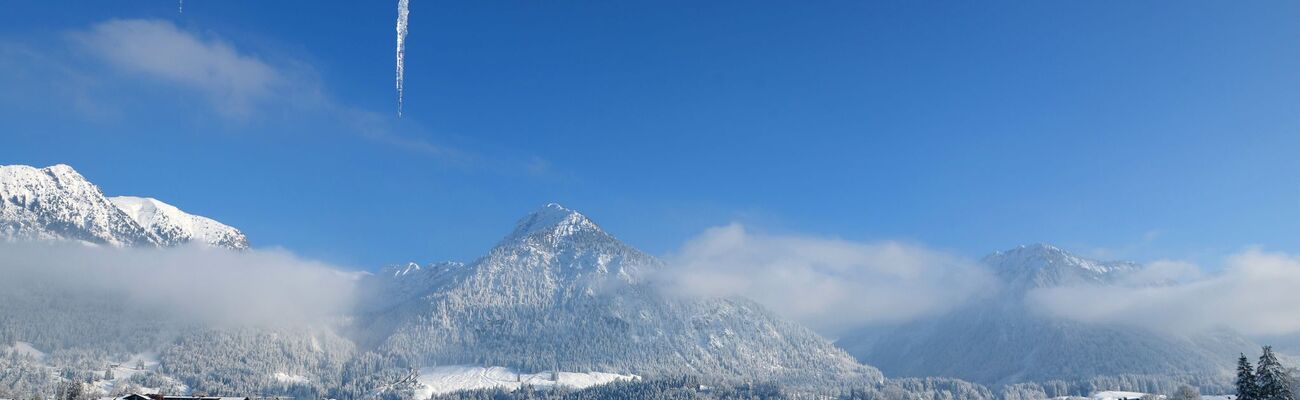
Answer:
(402, 13)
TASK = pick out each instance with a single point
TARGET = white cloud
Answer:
(829, 284)
(233, 81)
(1255, 293)
(203, 283)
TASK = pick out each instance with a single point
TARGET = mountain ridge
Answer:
(58, 203)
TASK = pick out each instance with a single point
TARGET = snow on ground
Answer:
(1117, 395)
(123, 371)
(25, 349)
(446, 379)
(289, 378)
(1120, 395)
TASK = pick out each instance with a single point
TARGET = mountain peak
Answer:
(1042, 265)
(61, 169)
(58, 203)
(555, 220)
(60, 174)
(1035, 250)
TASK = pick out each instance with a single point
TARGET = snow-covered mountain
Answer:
(557, 294)
(57, 203)
(1002, 339)
(560, 292)
(1042, 265)
(171, 226)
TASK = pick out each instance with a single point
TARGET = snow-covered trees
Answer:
(1186, 393)
(1269, 381)
(1246, 389)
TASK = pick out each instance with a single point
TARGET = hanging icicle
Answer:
(402, 12)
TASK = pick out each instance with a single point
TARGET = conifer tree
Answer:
(1271, 379)
(1246, 389)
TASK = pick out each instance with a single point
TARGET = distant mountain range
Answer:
(1002, 339)
(556, 294)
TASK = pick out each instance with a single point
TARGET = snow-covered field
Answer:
(446, 379)
(1117, 395)
(1121, 395)
(122, 372)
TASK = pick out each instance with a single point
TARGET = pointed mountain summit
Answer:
(559, 291)
(555, 221)
(57, 203)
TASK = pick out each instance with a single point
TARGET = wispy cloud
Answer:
(1253, 293)
(96, 71)
(234, 82)
(829, 284)
(111, 60)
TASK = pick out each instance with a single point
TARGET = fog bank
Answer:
(206, 284)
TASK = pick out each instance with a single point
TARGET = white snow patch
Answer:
(1122, 395)
(1118, 395)
(123, 371)
(447, 379)
(289, 378)
(26, 349)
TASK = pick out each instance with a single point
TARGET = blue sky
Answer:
(1129, 129)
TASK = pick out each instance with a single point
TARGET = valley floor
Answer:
(447, 379)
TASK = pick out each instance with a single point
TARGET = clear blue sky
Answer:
(1149, 128)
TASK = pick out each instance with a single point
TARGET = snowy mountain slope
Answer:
(57, 203)
(174, 227)
(561, 292)
(397, 284)
(1001, 339)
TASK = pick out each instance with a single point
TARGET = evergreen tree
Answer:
(1271, 379)
(1246, 389)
